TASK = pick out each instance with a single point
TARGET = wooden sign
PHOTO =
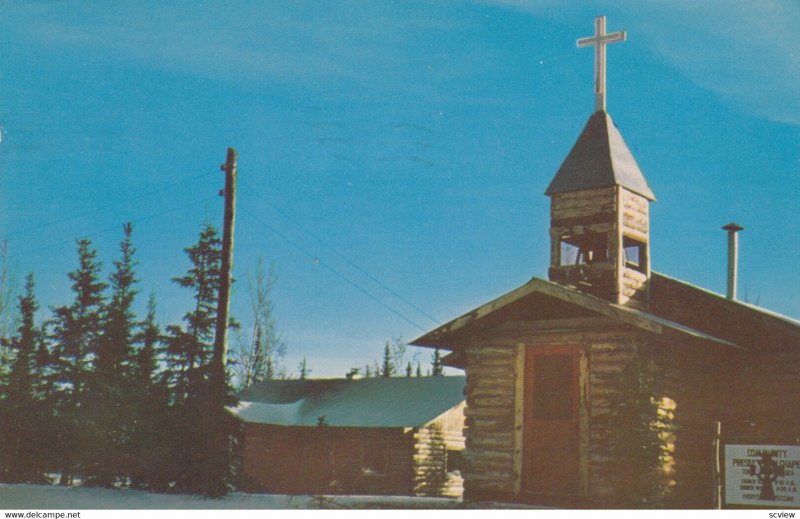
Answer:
(762, 475)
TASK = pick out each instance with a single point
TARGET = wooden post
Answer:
(223, 302)
(219, 433)
(717, 469)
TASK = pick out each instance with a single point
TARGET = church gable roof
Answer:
(599, 158)
(540, 300)
(677, 309)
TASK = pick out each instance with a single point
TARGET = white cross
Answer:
(600, 40)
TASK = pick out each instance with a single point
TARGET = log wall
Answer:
(586, 207)
(634, 223)
(435, 444)
(494, 398)
(327, 460)
(583, 213)
(688, 397)
(489, 431)
(634, 287)
(608, 357)
(616, 213)
(754, 394)
(635, 211)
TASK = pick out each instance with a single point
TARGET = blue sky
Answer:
(389, 144)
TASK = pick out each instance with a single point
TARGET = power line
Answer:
(345, 258)
(102, 207)
(344, 278)
(116, 227)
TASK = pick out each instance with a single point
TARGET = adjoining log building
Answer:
(382, 436)
(603, 384)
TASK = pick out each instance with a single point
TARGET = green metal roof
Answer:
(600, 158)
(369, 402)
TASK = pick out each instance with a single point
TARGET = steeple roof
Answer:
(600, 158)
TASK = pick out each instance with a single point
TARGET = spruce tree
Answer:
(6, 302)
(189, 349)
(437, 367)
(149, 437)
(387, 368)
(303, 370)
(24, 449)
(409, 370)
(75, 331)
(109, 398)
(419, 369)
(195, 420)
(144, 367)
(639, 435)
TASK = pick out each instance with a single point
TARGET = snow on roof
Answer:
(277, 414)
(369, 402)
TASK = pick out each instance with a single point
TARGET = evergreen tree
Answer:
(24, 449)
(149, 445)
(190, 349)
(409, 370)
(437, 368)
(387, 368)
(196, 421)
(303, 369)
(419, 369)
(6, 304)
(109, 397)
(76, 329)
(367, 371)
(144, 367)
(640, 435)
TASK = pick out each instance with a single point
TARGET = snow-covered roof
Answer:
(369, 402)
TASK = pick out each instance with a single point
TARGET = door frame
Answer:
(523, 387)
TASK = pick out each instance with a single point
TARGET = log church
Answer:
(608, 384)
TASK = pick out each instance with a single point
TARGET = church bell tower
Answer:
(599, 205)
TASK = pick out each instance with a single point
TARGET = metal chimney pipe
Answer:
(733, 256)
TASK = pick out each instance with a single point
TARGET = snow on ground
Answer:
(45, 497)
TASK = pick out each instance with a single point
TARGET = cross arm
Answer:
(603, 39)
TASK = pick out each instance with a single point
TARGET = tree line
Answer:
(393, 364)
(97, 396)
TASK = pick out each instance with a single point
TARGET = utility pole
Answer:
(223, 302)
(218, 378)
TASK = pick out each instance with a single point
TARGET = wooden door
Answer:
(551, 421)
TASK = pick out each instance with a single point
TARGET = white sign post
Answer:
(762, 475)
